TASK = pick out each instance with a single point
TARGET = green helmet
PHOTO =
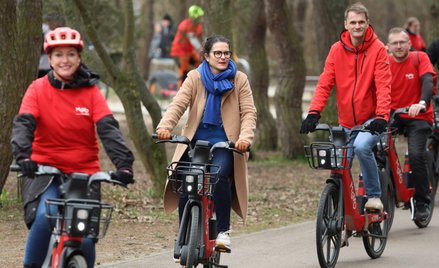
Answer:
(195, 11)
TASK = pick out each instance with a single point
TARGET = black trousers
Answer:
(417, 132)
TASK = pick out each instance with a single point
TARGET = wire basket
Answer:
(79, 217)
(193, 178)
(326, 155)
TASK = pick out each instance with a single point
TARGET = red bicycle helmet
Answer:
(63, 36)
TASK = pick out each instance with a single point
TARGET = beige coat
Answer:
(238, 115)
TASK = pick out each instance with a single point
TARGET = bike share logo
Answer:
(82, 111)
(353, 196)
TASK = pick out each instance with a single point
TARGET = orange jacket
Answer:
(362, 79)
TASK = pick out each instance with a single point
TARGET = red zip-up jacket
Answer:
(362, 79)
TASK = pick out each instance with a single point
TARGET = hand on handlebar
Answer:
(242, 145)
(378, 125)
(415, 109)
(125, 176)
(163, 134)
(28, 167)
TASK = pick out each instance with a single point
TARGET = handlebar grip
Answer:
(15, 168)
(154, 136)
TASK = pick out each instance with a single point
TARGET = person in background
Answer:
(162, 39)
(433, 52)
(186, 45)
(221, 108)
(413, 84)
(56, 126)
(358, 67)
(413, 27)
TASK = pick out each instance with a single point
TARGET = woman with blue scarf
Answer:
(221, 108)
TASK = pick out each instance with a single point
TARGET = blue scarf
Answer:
(216, 86)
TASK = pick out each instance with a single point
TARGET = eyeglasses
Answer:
(219, 54)
(400, 43)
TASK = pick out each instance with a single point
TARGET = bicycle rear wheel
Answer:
(376, 239)
(328, 235)
(77, 261)
(190, 249)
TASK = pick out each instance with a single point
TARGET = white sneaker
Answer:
(374, 203)
(223, 240)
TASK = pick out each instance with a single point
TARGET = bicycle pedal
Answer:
(223, 249)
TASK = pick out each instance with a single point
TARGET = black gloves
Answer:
(378, 125)
(125, 176)
(310, 123)
(28, 167)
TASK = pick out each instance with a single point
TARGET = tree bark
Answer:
(218, 17)
(20, 33)
(131, 90)
(329, 17)
(255, 34)
(292, 73)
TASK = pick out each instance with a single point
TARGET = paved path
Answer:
(294, 246)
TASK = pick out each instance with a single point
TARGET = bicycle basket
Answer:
(79, 217)
(193, 178)
(326, 155)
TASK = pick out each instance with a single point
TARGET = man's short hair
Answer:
(358, 8)
(397, 30)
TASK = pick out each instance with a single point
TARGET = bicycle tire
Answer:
(374, 249)
(76, 261)
(390, 200)
(192, 241)
(328, 238)
(433, 179)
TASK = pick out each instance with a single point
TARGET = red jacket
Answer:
(362, 79)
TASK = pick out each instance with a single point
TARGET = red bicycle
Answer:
(388, 161)
(75, 216)
(341, 206)
(195, 243)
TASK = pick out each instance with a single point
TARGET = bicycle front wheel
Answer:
(328, 234)
(77, 261)
(191, 254)
(375, 239)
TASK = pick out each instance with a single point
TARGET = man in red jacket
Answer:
(413, 84)
(358, 67)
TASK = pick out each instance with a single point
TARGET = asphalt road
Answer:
(294, 246)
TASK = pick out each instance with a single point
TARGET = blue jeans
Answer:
(39, 234)
(363, 143)
(223, 193)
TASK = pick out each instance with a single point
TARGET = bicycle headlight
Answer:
(324, 158)
(80, 226)
(190, 184)
(82, 214)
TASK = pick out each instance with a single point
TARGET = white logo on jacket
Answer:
(82, 111)
(410, 76)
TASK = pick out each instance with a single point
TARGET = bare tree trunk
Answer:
(255, 32)
(146, 33)
(218, 17)
(20, 48)
(329, 16)
(291, 77)
(131, 90)
(434, 12)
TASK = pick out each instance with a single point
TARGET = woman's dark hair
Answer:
(211, 40)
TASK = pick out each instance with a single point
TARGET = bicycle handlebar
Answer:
(230, 145)
(100, 176)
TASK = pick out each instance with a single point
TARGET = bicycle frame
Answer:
(403, 193)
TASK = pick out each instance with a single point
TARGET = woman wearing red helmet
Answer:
(56, 126)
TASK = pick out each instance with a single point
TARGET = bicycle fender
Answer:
(67, 252)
